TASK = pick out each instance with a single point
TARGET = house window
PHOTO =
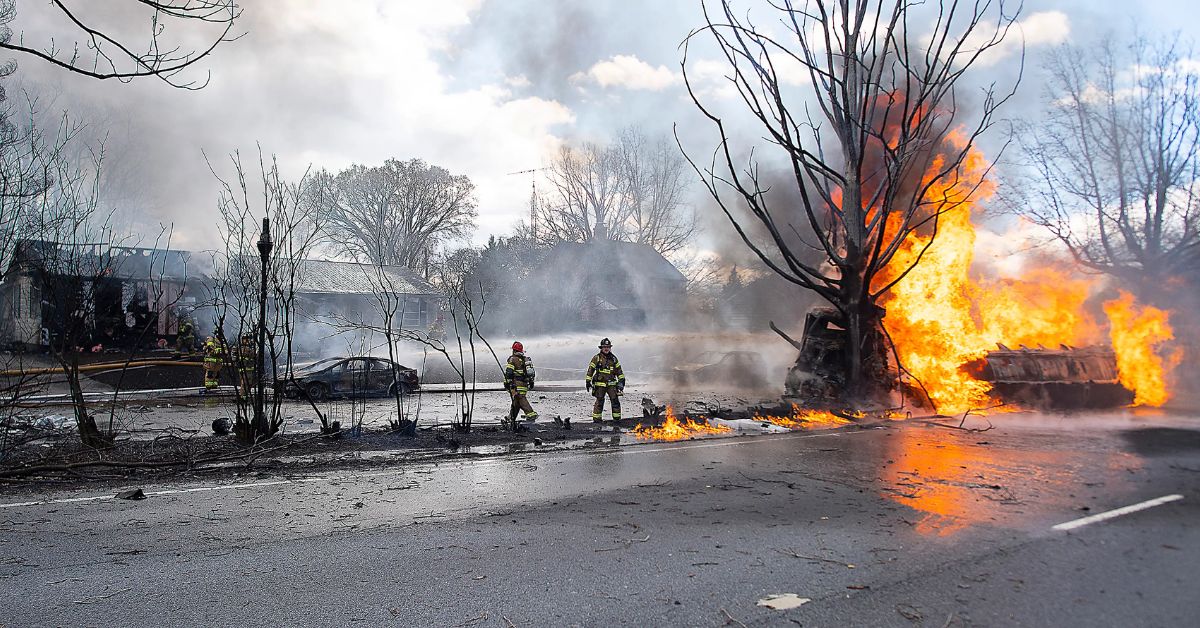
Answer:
(15, 296)
(415, 313)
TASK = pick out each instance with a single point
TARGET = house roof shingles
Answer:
(640, 258)
(325, 277)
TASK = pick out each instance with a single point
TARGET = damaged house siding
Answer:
(127, 289)
(117, 291)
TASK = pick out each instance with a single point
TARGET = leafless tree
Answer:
(290, 207)
(395, 214)
(66, 250)
(1113, 165)
(655, 184)
(857, 101)
(383, 327)
(631, 190)
(100, 51)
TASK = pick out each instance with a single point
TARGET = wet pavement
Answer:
(186, 411)
(907, 524)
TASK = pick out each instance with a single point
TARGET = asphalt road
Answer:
(907, 525)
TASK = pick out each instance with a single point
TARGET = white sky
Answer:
(480, 87)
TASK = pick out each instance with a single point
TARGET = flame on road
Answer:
(805, 419)
(673, 429)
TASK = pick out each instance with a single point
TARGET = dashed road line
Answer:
(1112, 514)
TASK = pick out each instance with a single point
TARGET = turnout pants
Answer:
(212, 374)
(600, 392)
(520, 403)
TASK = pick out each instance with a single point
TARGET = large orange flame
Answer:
(1138, 335)
(941, 315)
(673, 429)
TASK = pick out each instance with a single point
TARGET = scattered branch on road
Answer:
(624, 544)
(249, 456)
(909, 612)
(793, 554)
(965, 429)
(100, 598)
(790, 485)
(482, 617)
(730, 620)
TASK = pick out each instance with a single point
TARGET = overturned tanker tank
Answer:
(1062, 378)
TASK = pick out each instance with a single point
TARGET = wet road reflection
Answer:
(956, 479)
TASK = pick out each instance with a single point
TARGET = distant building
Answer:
(607, 284)
(133, 297)
(93, 295)
(332, 297)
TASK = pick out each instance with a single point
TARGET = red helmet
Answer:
(518, 347)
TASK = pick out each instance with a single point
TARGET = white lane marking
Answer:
(1111, 514)
(176, 491)
(623, 450)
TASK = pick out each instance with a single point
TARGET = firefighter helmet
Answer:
(518, 347)
(606, 343)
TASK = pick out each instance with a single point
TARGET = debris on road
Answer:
(133, 493)
(783, 601)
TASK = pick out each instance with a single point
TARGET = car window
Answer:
(318, 365)
(381, 365)
(357, 365)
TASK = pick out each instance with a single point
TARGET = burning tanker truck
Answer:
(1062, 378)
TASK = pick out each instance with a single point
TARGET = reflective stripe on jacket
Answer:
(604, 370)
(518, 371)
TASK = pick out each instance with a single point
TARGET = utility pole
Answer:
(532, 198)
(265, 245)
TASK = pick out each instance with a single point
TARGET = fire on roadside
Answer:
(943, 314)
(805, 419)
(672, 429)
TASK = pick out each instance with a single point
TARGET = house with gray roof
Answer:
(610, 284)
(328, 291)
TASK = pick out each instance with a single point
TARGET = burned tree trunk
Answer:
(864, 160)
(89, 432)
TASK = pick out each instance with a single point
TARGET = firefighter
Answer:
(245, 360)
(605, 377)
(185, 340)
(518, 380)
(214, 355)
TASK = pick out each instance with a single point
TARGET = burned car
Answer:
(348, 377)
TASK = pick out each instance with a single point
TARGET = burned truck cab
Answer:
(819, 373)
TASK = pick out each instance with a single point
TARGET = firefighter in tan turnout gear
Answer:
(605, 378)
(214, 356)
(518, 379)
